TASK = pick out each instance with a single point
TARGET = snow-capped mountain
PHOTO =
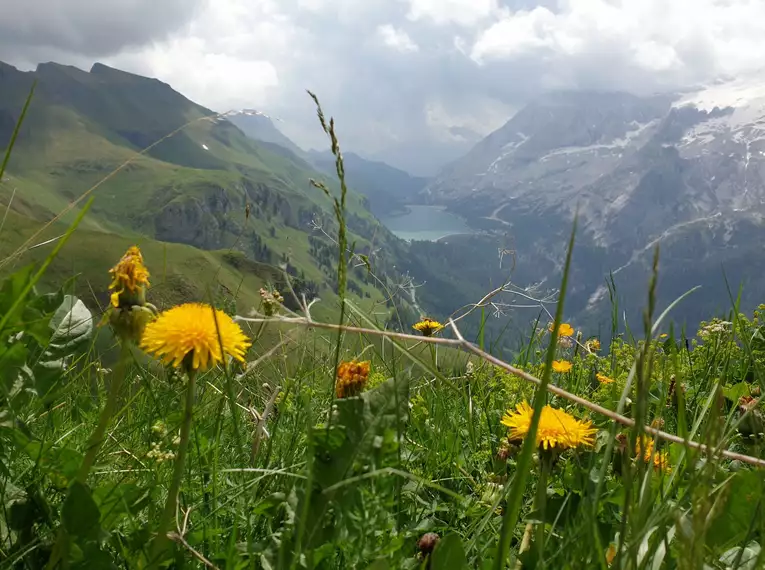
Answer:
(673, 170)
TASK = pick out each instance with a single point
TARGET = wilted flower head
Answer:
(592, 345)
(195, 336)
(130, 278)
(271, 301)
(128, 312)
(427, 326)
(351, 378)
(557, 429)
(427, 542)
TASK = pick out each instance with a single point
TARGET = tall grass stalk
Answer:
(523, 467)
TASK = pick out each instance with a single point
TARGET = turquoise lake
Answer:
(426, 223)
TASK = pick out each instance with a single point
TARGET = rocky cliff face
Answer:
(683, 171)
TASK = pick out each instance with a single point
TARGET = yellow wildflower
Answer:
(661, 462)
(428, 327)
(129, 280)
(563, 366)
(593, 345)
(610, 553)
(603, 379)
(644, 448)
(351, 378)
(194, 335)
(564, 329)
(557, 429)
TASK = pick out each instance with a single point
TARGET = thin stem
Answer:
(540, 499)
(60, 552)
(161, 540)
(97, 437)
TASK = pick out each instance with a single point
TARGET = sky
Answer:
(412, 82)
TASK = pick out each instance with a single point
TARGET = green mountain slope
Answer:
(207, 186)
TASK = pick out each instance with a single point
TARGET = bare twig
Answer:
(175, 537)
(260, 428)
(463, 344)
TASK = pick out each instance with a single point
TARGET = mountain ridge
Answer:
(640, 172)
(204, 184)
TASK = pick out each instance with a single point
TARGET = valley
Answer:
(640, 172)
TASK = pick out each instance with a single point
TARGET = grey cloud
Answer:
(415, 108)
(86, 27)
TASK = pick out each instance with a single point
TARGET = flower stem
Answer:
(161, 541)
(97, 437)
(60, 552)
(545, 465)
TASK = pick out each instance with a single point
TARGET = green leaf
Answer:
(379, 565)
(12, 287)
(72, 325)
(732, 526)
(80, 513)
(12, 359)
(116, 502)
(449, 554)
(742, 558)
(735, 392)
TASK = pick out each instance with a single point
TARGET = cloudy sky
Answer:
(411, 81)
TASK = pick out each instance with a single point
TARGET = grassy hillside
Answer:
(207, 185)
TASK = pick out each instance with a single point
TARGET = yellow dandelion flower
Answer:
(428, 327)
(603, 379)
(644, 448)
(129, 279)
(193, 335)
(351, 378)
(661, 462)
(557, 429)
(610, 553)
(563, 366)
(564, 329)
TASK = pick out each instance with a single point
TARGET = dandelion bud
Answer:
(128, 312)
(351, 378)
(427, 542)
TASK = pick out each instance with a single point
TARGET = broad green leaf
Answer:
(735, 392)
(11, 288)
(379, 565)
(732, 525)
(449, 554)
(72, 325)
(746, 556)
(80, 513)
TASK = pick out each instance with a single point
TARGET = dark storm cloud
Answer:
(88, 27)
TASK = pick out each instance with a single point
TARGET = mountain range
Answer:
(229, 198)
(219, 214)
(685, 172)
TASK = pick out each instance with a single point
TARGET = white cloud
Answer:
(228, 57)
(658, 43)
(397, 39)
(394, 73)
(462, 12)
